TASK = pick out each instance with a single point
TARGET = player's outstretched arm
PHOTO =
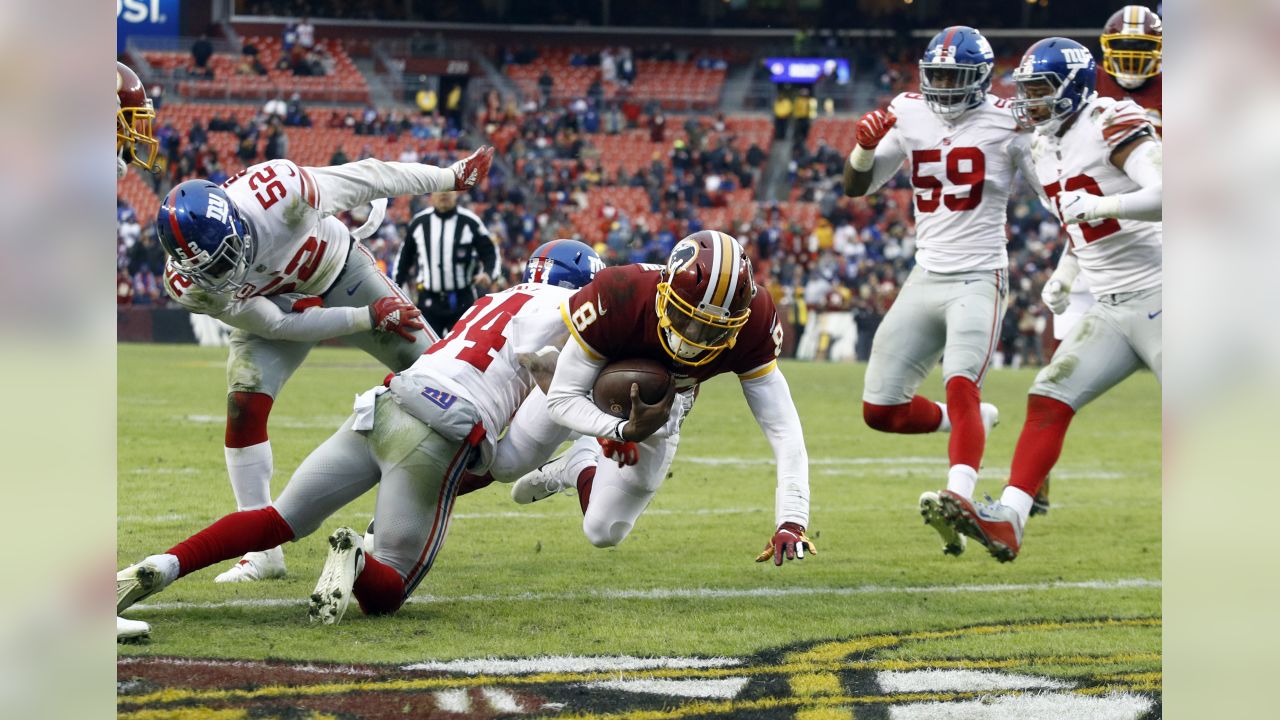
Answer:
(303, 322)
(1142, 160)
(342, 187)
(769, 398)
(872, 161)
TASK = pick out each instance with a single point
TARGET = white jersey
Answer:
(301, 248)
(1115, 255)
(479, 360)
(962, 172)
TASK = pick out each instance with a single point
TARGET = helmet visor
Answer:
(695, 327)
(950, 88)
(1131, 55)
(224, 269)
(1036, 98)
(135, 134)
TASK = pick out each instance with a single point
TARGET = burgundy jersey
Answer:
(615, 317)
(1148, 95)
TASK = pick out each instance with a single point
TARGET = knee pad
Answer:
(606, 533)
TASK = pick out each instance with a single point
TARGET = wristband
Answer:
(617, 431)
(862, 159)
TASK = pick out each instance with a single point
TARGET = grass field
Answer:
(879, 624)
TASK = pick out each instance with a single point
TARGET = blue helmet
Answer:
(203, 233)
(565, 263)
(955, 72)
(1055, 79)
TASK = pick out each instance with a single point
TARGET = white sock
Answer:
(962, 480)
(250, 471)
(945, 426)
(167, 564)
(583, 453)
(1018, 500)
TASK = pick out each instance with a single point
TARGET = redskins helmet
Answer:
(1132, 41)
(135, 119)
(704, 297)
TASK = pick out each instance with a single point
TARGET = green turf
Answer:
(1105, 526)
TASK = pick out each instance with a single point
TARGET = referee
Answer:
(449, 257)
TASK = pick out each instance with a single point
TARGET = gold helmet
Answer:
(136, 142)
(1132, 41)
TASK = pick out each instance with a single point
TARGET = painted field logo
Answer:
(858, 677)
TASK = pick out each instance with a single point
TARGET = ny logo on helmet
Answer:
(218, 209)
(1077, 57)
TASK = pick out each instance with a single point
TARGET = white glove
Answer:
(1057, 295)
(1078, 207)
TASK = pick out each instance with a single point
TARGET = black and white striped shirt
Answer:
(447, 250)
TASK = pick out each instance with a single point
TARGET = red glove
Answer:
(393, 314)
(872, 128)
(471, 169)
(622, 452)
(789, 540)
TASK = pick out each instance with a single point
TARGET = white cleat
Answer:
(931, 510)
(136, 582)
(131, 630)
(254, 566)
(550, 478)
(990, 416)
(333, 590)
(368, 538)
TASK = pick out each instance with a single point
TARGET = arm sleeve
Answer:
(342, 187)
(408, 255)
(769, 398)
(1020, 154)
(567, 401)
(1068, 267)
(889, 158)
(260, 316)
(1144, 166)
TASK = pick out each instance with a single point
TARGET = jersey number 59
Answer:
(964, 166)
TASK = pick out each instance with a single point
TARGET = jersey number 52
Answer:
(1089, 231)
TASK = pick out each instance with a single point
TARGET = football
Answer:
(612, 391)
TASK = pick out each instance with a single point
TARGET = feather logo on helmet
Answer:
(682, 256)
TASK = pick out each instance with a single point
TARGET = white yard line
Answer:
(720, 689)
(569, 664)
(700, 593)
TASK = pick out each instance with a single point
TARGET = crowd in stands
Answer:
(632, 179)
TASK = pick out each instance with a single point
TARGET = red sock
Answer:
(1040, 443)
(232, 536)
(585, 478)
(471, 483)
(247, 415)
(968, 438)
(379, 588)
(921, 415)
